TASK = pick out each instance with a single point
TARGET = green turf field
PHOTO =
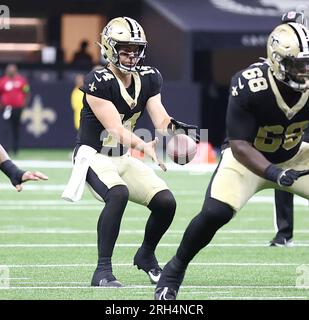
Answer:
(48, 246)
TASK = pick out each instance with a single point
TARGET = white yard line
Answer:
(47, 202)
(49, 208)
(138, 231)
(134, 287)
(44, 164)
(35, 187)
(246, 297)
(15, 278)
(53, 218)
(81, 245)
(13, 203)
(88, 265)
(68, 164)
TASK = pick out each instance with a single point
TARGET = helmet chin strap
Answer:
(125, 69)
(122, 68)
(299, 86)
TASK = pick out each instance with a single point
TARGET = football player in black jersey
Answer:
(267, 114)
(284, 215)
(15, 174)
(283, 219)
(115, 97)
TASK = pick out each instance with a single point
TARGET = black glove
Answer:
(178, 127)
(284, 178)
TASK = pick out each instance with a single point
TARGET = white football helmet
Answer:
(123, 31)
(288, 54)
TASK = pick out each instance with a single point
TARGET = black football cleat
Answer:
(146, 260)
(281, 242)
(154, 275)
(165, 293)
(170, 280)
(104, 279)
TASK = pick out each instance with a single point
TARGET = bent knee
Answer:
(163, 201)
(119, 194)
(217, 211)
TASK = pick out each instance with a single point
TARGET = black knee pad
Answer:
(118, 194)
(216, 211)
(163, 201)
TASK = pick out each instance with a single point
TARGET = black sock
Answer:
(109, 222)
(162, 206)
(105, 264)
(108, 226)
(202, 228)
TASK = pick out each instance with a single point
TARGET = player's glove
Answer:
(284, 178)
(177, 127)
(12, 171)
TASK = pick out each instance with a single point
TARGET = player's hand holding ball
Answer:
(182, 148)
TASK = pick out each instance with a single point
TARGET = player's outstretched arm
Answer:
(30, 176)
(166, 124)
(15, 174)
(150, 150)
(3, 154)
(107, 114)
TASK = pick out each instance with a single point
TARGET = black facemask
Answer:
(297, 69)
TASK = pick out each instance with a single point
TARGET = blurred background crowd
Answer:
(48, 47)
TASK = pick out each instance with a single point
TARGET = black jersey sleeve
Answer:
(98, 84)
(156, 82)
(240, 121)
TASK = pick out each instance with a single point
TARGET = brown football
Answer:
(181, 148)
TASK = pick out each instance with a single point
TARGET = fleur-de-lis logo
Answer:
(274, 41)
(38, 118)
(92, 87)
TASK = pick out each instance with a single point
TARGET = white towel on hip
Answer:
(76, 185)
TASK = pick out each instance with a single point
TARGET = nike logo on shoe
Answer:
(154, 275)
(165, 293)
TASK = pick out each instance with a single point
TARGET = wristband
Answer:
(12, 171)
(273, 173)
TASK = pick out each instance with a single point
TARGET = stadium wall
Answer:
(48, 120)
